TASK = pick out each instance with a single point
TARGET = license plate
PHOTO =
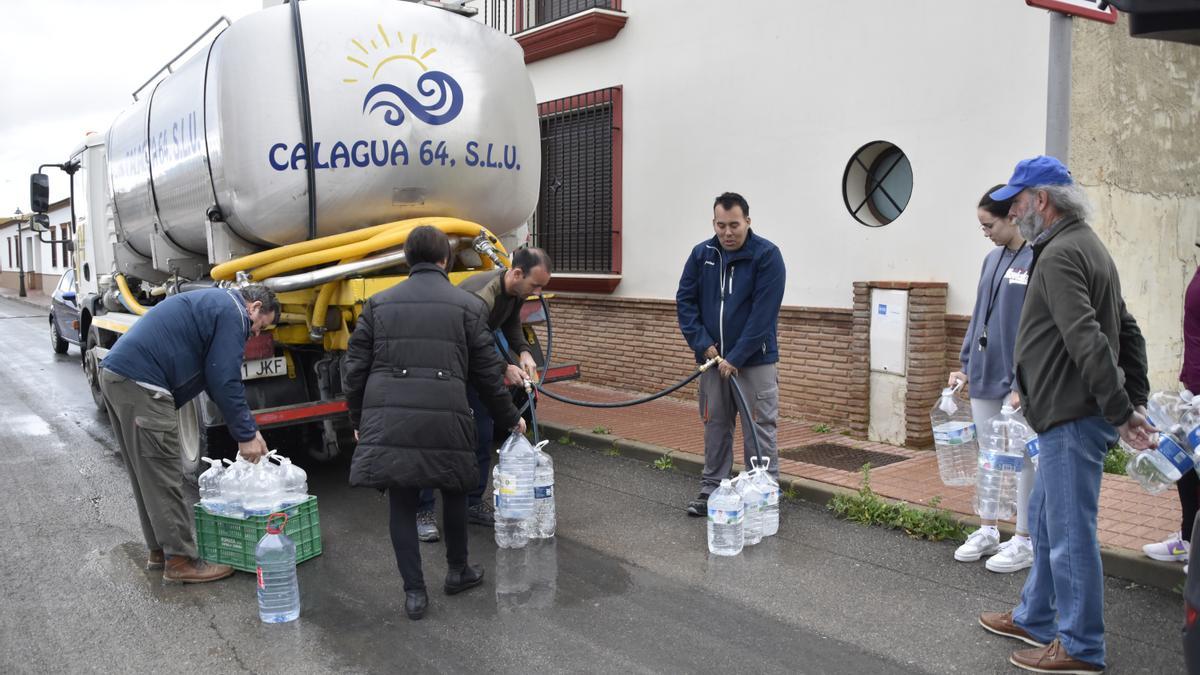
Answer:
(271, 367)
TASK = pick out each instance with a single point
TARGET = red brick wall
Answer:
(636, 345)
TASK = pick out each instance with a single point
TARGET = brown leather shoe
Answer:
(155, 560)
(183, 570)
(1001, 623)
(1053, 658)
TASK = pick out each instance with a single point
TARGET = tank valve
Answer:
(484, 246)
(317, 333)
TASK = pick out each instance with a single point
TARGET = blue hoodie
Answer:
(732, 299)
(990, 371)
(188, 343)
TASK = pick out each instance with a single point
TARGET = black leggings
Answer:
(1189, 502)
(403, 526)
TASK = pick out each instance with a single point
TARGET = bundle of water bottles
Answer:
(1176, 416)
(744, 510)
(1005, 444)
(244, 489)
(523, 493)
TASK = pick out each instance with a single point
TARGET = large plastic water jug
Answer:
(510, 533)
(726, 521)
(954, 438)
(1001, 458)
(1157, 469)
(278, 588)
(761, 473)
(754, 501)
(209, 484)
(514, 485)
(293, 481)
(544, 512)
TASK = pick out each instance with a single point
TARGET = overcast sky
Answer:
(70, 66)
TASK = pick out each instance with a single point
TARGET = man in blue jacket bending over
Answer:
(728, 305)
(188, 343)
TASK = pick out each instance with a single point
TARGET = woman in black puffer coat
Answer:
(415, 348)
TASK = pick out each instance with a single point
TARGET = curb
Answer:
(1117, 562)
(26, 301)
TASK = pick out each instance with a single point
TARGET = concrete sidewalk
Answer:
(33, 298)
(821, 463)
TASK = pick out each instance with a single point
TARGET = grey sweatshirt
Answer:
(990, 371)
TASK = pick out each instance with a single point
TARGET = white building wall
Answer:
(42, 261)
(771, 99)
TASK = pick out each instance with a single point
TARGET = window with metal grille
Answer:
(63, 229)
(10, 255)
(514, 16)
(578, 215)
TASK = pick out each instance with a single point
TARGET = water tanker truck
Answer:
(296, 149)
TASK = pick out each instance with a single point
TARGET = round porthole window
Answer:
(877, 184)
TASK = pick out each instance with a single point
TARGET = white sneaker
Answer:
(1171, 549)
(981, 542)
(1014, 556)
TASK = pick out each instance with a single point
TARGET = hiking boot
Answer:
(1001, 623)
(981, 542)
(457, 581)
(181, 570)
(415, 604)
(427, 527)
(1172, 549)
(1015, 555)
(1053, 658)
(481, 514)
(698, 507)
(155, 560)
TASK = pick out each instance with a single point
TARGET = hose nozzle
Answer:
(710, 363)
(484, 246)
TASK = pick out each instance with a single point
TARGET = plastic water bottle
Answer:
(294, 482)
(209, 484)
(1001, 458)
(278, 589)
(954, 437)
(543, 495)
(760, 471)
(752, 498)
(518, 463)
(726, 521)
(509, 532)
(1165, 410)
(262, 490)
(1158, 469)
(233, 487)
(1032, 449)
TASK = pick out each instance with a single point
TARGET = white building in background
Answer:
(650, 108)
(46, 255)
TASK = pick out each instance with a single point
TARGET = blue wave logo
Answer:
(440, 100)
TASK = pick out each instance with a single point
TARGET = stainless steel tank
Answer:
(415, 111)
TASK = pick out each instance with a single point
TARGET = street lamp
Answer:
(20, 256)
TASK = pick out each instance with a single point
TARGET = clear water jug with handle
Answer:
(954, 437)
(275, 560)
(1001, 458)
(762, 476)
(209, 484)
(726, 521)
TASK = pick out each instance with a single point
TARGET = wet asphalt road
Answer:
(627, 586)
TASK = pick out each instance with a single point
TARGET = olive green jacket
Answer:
(1079, 352)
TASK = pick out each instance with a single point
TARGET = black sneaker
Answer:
(427, 529)
(698, 507)
(481, 514)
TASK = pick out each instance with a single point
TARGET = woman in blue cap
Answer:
(987, 364)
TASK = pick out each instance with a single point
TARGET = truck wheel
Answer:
(91, 369)
(56, 340)
(191, 448)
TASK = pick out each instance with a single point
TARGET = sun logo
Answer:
(441, 94)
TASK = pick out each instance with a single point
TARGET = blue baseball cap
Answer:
(1040, 170)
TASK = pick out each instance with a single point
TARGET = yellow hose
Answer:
(127, 295)
(336, 247)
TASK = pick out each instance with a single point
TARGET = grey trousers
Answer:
(719, 410)
(147, 429)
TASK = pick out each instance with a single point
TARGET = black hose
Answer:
(749, 417)
(618, 404)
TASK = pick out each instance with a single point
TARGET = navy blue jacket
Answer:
(732, 299)
(188, 343)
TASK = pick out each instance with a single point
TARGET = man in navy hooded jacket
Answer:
(728, 305)
(189, 343)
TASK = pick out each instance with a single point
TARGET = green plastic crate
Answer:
(231, 541)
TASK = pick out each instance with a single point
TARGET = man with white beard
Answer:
(1080, 370)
